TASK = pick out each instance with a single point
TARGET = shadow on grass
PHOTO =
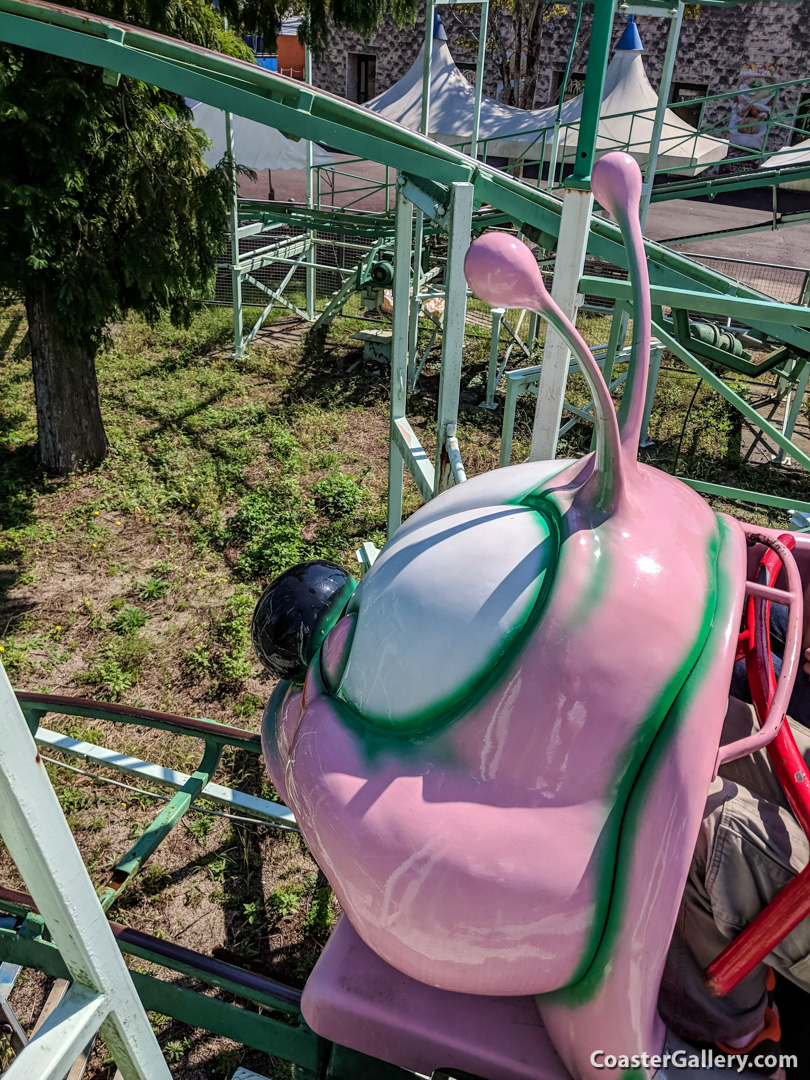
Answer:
(323, 378)
(21, 480)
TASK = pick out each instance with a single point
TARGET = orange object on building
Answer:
(290, 56)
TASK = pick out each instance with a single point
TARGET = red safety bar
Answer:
(792, 904)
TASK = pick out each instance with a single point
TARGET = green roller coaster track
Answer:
(431, 169)
(301, 111)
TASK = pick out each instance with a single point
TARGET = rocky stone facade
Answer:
(712, 50)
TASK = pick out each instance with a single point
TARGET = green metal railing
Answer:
(267, 1013)
(537, 151)
(360, 187)
(214, 736)
(266, 1016)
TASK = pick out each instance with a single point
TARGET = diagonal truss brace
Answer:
(102, 996)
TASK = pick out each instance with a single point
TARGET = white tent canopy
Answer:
(627, 116)
(256, 146)
(791, 155)
(452, 100)
(515, 133)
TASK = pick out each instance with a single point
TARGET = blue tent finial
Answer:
(630, 40)
(439, 32)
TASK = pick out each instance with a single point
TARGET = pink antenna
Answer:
(616, 183)
(503, 272)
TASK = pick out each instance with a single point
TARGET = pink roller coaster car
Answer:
(498, 746)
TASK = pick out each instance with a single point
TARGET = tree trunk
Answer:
(534, 41)
(502, 61)
(71, 431)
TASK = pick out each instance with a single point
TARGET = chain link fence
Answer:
(788, 284)
(335, 258)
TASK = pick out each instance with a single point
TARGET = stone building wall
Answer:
(394, 49)
(712, 50)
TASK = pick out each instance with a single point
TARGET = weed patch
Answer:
(118, 665)
(338, 495)
(137, 583)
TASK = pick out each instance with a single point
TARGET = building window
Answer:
(361, 77)
(574, 86)
(802, 121)
(469, 71)
(686, 92)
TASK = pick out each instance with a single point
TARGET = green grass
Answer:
(137, 582)
(223, 474)
(220, 476)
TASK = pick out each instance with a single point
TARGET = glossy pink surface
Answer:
(616, 185)
(470, 859)
(415, 1026)
(506, 803)
(503, 272)
(623, 1011)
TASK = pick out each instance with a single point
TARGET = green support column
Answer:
(573, 241)
(399, 353)
(419, 224)
(102, 996)
(479, 77)
(236, 276)
(415, 306)
(455, 311)
(618, 332)
(310, 271)
(598, 56)
(676, 15)
(555, 145)
(494, 346)
(427, 58)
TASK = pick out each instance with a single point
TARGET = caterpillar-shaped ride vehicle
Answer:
(499, 745)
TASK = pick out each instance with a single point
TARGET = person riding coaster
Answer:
(499, 745)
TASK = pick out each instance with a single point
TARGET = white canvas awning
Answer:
(256, 146)
(791, 155)
(627, 115)
(452, 100)
(515, 133)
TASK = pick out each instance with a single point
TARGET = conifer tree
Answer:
(106, 206)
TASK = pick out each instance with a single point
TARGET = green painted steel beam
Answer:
(598, 56)
(757, 498)
(35, 948)
(231, 85)
(782, 221)
(738, 307)
(333, 221)
(294, 1042)
(670, 270)
(303, 112)
(36, 706)
(350, 223)
(157, 830)
(665, 5)
(722, 388)
(717, 185)
(338, 301)
(291, 1039)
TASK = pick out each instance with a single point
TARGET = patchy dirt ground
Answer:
(136, 583)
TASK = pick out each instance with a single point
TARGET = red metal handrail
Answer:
(792, 904)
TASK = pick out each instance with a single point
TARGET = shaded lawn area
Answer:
(137, 582)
